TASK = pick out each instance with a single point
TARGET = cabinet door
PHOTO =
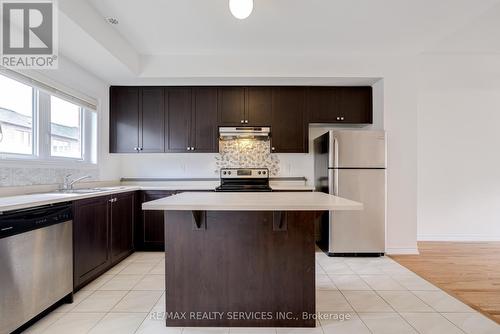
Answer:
(152, 132)
(90, 239)
(231, 106)
(204, 131)
(322, 105)
(258, 106)
(178, 123)
(122, 225)
(124, 119)
(355, 104)
(150, 232)
(288, 126)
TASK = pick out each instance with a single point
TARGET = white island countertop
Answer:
(252, 201)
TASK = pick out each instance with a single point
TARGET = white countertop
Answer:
(32, 200)
(265, 201)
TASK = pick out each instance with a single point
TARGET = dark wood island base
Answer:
(240, 268)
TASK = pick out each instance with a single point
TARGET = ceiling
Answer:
(150, 29)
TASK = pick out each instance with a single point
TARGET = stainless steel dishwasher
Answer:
(36, 262)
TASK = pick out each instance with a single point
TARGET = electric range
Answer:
(244, 179)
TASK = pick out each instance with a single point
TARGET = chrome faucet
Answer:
(68, 185)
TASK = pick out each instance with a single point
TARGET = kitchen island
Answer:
(242, 259)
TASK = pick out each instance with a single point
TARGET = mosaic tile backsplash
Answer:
(24, 176)
(247, 153)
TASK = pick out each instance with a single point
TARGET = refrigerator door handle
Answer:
(333, 181)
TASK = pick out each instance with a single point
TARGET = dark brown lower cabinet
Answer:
(102, 235)
(90, 239)
(122, 225)
(150, 225)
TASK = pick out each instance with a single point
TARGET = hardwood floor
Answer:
(470, 271)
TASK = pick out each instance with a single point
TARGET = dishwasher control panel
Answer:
(19, 221)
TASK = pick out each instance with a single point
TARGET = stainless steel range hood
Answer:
(248, 132)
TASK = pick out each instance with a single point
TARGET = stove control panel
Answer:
(244, 173)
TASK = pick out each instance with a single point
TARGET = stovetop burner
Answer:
(244, 179)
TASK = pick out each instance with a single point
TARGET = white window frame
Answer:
(41, 134)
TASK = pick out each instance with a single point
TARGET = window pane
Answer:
(65, 129)
(16, 117)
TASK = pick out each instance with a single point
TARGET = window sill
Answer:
(29, 161)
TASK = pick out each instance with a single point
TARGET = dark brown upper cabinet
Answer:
(231, 106)
(124, 119)
(136, 120)
(258, 106)
(204, 129)
(288, 130)
(191, 122)
(355, 105)
(248, 106)
(339, 105)
(152, 118)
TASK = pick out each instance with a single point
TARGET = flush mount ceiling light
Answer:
(241, 9)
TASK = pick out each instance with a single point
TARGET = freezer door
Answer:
(359, 231)
(357, 149)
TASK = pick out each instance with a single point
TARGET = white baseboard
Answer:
(402, 251)
(457, 237)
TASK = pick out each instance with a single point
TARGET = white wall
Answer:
(459, 148)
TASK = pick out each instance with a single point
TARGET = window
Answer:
(37, 122)
(65, 129)
(16, 117)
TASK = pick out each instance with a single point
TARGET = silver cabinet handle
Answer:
(273, 149)
(192, 148)
(246, 121)
(341, 118)
(189, 148)
(140, 148)
(242, 121)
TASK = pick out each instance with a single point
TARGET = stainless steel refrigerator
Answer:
(352, 164)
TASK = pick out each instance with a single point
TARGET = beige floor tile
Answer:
(350, 325)
(119, 267)
(74, 323)
(337, 268)
(137, 268)
(366, 301)
(414, 282)
(386, 323)
(473, 323)
(77, 299)
(431, 323)
(158, 269)
(286, 330)
(405, 301)
(119, 323)
(122, 282)
(44, 323)
(244, 330)
(160, 304)
(203, 330)
(100, 301)
(381, 282)
(349, 282)
(331, 300)
(150, 326)
(323, 282)
(442, 302)
(138, 301)
(151, 282)
(98, 282)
